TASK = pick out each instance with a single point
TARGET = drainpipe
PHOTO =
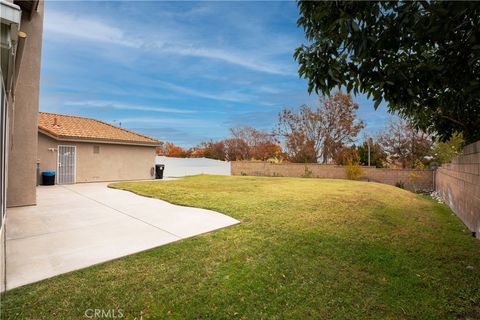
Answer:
(22, 38)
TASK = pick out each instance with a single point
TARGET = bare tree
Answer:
(246, 143)
(300, 149)
(323, 131)
(250, 143)
(404, 144)
(213, 150)
(236, 149)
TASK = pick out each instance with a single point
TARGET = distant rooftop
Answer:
(66, 127)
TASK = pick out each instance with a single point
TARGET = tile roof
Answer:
(65, 127)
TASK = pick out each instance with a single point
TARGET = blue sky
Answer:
(183, 72)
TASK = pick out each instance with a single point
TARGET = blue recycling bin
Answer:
(48, 178)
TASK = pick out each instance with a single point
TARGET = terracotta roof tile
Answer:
(78, 128)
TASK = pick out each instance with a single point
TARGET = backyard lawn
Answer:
(305, 248)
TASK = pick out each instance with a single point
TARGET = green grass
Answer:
(305, 248)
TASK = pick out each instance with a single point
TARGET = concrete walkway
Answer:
(76, 226)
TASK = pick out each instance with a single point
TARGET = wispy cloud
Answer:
(241, 59)
(189, 122)
(70, 25)
(123, 106)
(95, 30)
(265, 120)
(225, 96)
(181, 137)
(269, 89)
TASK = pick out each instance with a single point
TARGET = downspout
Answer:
(22, 38)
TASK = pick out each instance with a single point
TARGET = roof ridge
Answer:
(129, 131)
(67, 115)
(101, 121)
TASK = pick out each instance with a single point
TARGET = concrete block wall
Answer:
(458, 183)
(415, 180)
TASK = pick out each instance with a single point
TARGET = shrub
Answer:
(307, 173)
(415, 178)
(274, 160)
(354, 170)
(400, 184)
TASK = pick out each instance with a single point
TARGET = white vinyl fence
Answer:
(180, 167)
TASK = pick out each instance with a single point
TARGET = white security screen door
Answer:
(66, 164)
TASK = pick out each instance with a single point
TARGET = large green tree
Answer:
(421, 57)
(444, 152)
(377, 155)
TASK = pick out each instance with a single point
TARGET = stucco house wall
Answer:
(114, 162)
(23, 117)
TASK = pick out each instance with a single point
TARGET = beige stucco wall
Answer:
(23, 118)
(113, 163)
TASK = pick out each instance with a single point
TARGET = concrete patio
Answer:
(76, 226)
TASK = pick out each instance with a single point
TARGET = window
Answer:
(96, 149)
